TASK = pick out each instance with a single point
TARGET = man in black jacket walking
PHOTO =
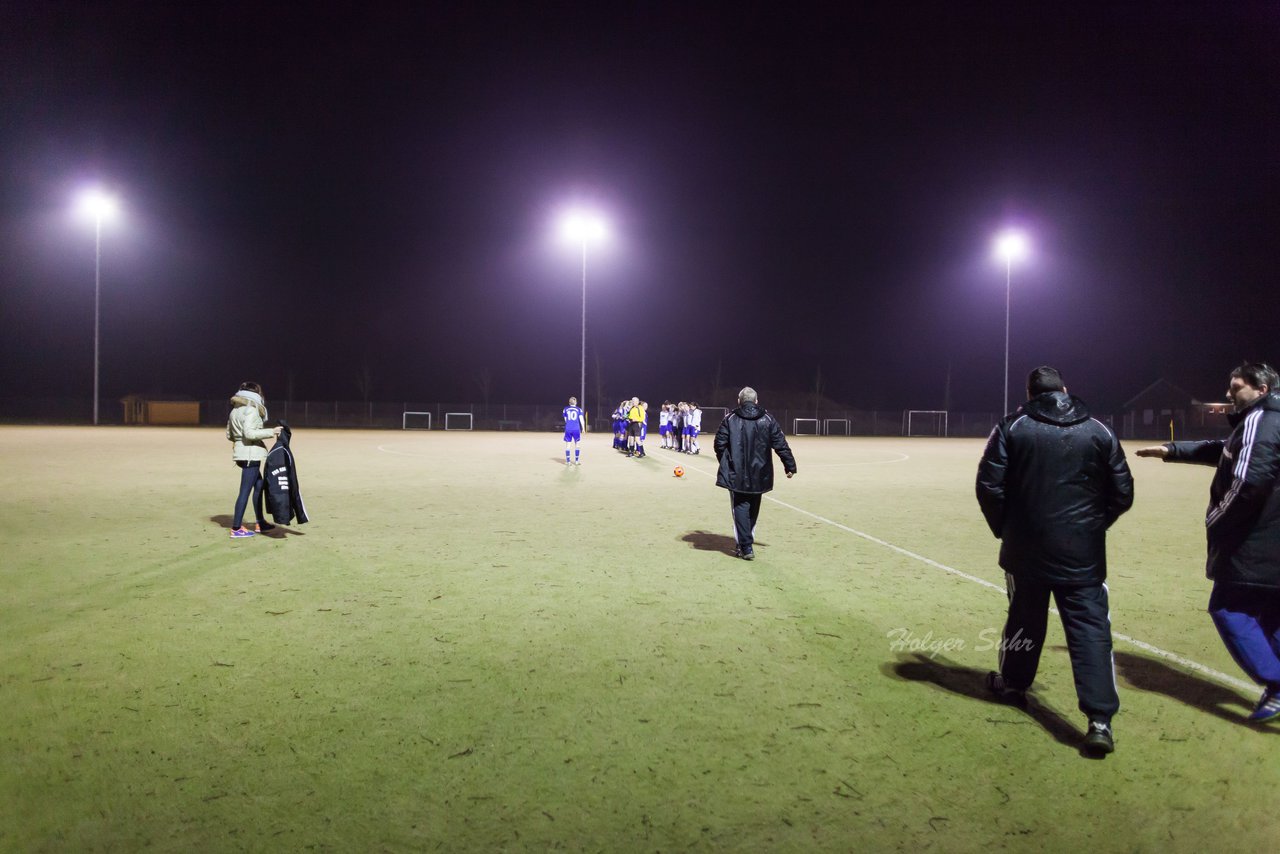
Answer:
(1051, 482)
(743, 442)
(1243, 527)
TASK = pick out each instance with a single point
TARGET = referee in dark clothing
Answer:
(1051, 482)
(743, 445)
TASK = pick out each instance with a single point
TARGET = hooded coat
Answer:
(245, 430)
(1242, 524)
(1051, 482)
(743, 442)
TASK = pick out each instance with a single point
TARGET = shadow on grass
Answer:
(1152, 674)
(706, 541)
(280, 532)
(971, 682)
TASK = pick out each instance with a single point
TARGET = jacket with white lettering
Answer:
(1051, 482)
(1242, 524)
(284, 499)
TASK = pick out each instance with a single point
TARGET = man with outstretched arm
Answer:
(1242, 526)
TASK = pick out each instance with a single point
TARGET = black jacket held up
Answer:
(743, 442)
(284, 498)
(1242, 523)
(1051, 482)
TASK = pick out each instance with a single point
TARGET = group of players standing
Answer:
(678, 425)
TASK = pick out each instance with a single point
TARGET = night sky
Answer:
(315, 193)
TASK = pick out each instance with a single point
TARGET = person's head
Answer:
(693, 404)
(1249, 382)
(635, 401)
(253, 387)
(573, 401)
(748, 395)
(1044, 379)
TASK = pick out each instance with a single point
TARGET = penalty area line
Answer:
(1181, 661)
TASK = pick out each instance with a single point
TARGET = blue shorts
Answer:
(573, 435)
(664, 429)
(691, 431)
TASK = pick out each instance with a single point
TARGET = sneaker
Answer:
(1099, 740)
(242, 531)
(577, 462)
(1268, 706)
(263, 527)
(748, 554)
(1013, 696)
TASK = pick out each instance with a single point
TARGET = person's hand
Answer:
(789, 474)
(1157, 451)
(277, 431)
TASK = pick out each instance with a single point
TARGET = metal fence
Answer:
(547, 418)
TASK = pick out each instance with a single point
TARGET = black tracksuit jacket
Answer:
(1242, 524)
(1051, 482)
(284, 498)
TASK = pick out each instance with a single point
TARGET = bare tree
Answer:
(484, 382)
(364, 379)
(817, 392)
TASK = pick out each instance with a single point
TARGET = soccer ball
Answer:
(679, 472)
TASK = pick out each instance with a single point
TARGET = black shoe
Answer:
(998, 687)
(748, 554)
(1099, 740)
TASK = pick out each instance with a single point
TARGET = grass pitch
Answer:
(473, 647)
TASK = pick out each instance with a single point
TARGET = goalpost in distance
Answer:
(924, 422)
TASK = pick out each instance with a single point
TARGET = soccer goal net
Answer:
(924, 422)
(805, 427)
(835, 427)
(457, 421)
(416, 421)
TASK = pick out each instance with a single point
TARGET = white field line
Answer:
(1187, 663)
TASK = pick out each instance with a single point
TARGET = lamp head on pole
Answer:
(1011, 245)
(97, 205)
(581, 226)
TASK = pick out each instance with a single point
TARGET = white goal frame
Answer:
(826, 426)
(796, 422)
(404, 420)
(908, 416)
(470, 420)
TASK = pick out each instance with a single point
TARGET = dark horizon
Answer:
(307, 193)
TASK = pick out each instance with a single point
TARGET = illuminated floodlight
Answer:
(96, 204)
(1012, 246)
(581, 226)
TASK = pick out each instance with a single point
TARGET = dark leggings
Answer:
(250, 481)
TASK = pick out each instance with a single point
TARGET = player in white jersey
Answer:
(572, 431)
(664, 423)
(695, 427)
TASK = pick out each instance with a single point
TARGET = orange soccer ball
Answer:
(679, 472)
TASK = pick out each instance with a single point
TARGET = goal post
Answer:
(836, 427)
(415, 421)
(924, 422)
(805, 427)
(457, 421)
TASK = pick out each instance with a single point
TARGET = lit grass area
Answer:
(473, 647)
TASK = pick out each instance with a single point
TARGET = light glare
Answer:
(583, 226)
(1012, 246)
(96, 204)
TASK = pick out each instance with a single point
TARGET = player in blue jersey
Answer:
(572, 431)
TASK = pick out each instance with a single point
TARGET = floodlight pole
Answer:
(1008, 296)
(582, 398)
(97, 303)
